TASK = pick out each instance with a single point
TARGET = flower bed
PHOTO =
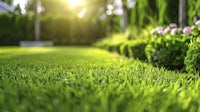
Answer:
(167, 47)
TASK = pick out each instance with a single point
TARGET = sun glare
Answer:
(75, 3)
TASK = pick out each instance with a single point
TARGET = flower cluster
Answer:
(172, 29)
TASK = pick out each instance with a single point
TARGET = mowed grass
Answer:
(75, 79)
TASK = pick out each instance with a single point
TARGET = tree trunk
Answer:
(182, 13)
(37, 21)
(124, 16)
(124, 19)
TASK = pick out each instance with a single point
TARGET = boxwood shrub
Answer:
(124, 49)
(136, 49)
(192, 59)
(112, 47)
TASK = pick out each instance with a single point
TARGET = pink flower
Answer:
(160, 30)
(173, 25)
(174, 31)
(187, 30)
(197, 23)
(167, 30)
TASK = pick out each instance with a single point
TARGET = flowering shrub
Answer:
(168, 46)
(168, 52)
(196, 30)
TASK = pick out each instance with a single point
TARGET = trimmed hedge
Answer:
(15, 28)
(129, 48)
(114, 47)
(124, 49)
(62, 30)
(136, 49)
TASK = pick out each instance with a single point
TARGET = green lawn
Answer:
(75, 79)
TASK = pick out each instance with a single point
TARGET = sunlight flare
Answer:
(75, 3)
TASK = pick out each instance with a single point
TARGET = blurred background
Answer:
(82, 22)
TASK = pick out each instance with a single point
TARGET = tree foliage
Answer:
(154, 12)
(193, 11)
(8, 1)
(62, 30)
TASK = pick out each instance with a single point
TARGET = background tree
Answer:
(8, 1)
(37, 20)
(124, 15)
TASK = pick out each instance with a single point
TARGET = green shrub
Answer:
(111, 47)
(116, 47)
(112, 43)
(124, 49)
(192, 59)
(167, 52)
(136, 49)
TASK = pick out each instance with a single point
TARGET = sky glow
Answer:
(22, 4)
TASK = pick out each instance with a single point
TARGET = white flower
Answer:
(197, 23)
(174, 31)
